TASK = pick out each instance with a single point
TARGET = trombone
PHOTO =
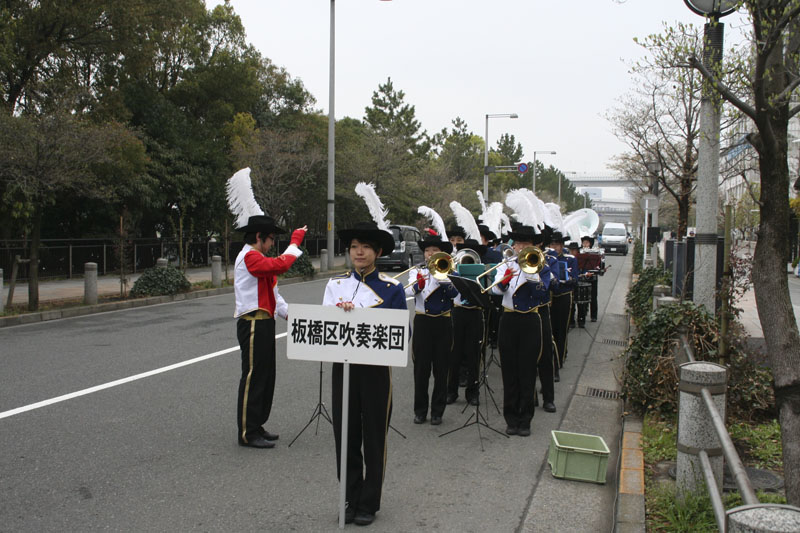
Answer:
(441, 264)
(531, 260)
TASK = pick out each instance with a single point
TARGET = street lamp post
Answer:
(533, 188)
(486, 150)
(331, 134)
(559, 186)
(708, 154)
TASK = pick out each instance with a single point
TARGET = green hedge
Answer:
(160, 281)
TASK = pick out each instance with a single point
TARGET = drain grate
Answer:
(602, 393)
(615, 342)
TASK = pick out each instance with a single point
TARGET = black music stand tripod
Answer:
(468, 286)
(320, 411)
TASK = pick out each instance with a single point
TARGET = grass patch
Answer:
(759, 444)
(659, 438)
(666, 513)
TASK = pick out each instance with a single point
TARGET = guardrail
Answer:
(703, 442)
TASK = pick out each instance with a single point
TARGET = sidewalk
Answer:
(65, 289)
(749, 317)
(594, 408)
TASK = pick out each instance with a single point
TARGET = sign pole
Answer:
(343, 449)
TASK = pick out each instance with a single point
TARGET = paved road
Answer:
(160, 453)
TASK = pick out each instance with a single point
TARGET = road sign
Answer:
(522, 168)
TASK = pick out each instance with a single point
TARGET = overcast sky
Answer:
(559, 64)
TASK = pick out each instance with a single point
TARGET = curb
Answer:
(630, 512)
(82, 310)
(630, 497)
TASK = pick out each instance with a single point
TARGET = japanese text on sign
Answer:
(364, 336)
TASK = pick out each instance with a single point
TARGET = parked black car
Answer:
(406, 250)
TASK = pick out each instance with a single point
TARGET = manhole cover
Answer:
(602, 393)
(615, 342)
(759, 479)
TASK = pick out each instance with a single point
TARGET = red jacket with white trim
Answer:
(255, 278)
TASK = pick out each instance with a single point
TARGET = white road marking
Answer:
(118, 382)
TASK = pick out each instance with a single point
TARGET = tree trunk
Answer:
(775, 310)
(33, 266)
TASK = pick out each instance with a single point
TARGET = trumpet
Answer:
(531, 260)
(440, 264)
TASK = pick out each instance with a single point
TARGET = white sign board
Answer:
(362, 336)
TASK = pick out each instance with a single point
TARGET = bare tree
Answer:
(773, 82)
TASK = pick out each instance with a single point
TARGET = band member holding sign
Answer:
(521, 333)
(256, 294)
(370, 394)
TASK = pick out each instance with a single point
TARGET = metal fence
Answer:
(65, 258)
(703, 442)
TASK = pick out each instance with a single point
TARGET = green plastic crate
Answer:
(577, 456)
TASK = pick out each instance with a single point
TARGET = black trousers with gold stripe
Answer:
(431, 343)
(546, 367)
(520, 340)
(257, 385)
(466, 350)
(369, 412)
(559, 318)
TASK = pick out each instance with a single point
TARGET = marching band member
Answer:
(562, 298)
(256, 296)
(546, 369)
(370, 394)
(433, 332)
(521, 334)
(588, 247)
(468, 325)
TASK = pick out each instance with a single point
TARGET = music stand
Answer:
(320, 411)
(472, 290)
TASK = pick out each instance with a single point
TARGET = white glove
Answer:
(533, 277)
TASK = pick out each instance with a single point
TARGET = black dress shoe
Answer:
(550, 407)
(267, 435)
(474, 401)
(556, 376)
(524, 432)
(436, 420)
(594, 319)
(462, 381)
(419, 419)
(581, 324)
(451, 398)
(256, 441)
(349, 513)
(511, 430)
(364, 519)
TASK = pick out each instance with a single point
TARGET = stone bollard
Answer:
(2, 296)
(678, 353)
(323, 260)
(216, 271)
(695, 426)
(90, 283)
(662, 301)
(161, 262)
(764, 518)
(659, 291)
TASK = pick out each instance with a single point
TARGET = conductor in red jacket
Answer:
(255, 287)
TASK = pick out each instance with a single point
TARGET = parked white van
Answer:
(614, 238)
